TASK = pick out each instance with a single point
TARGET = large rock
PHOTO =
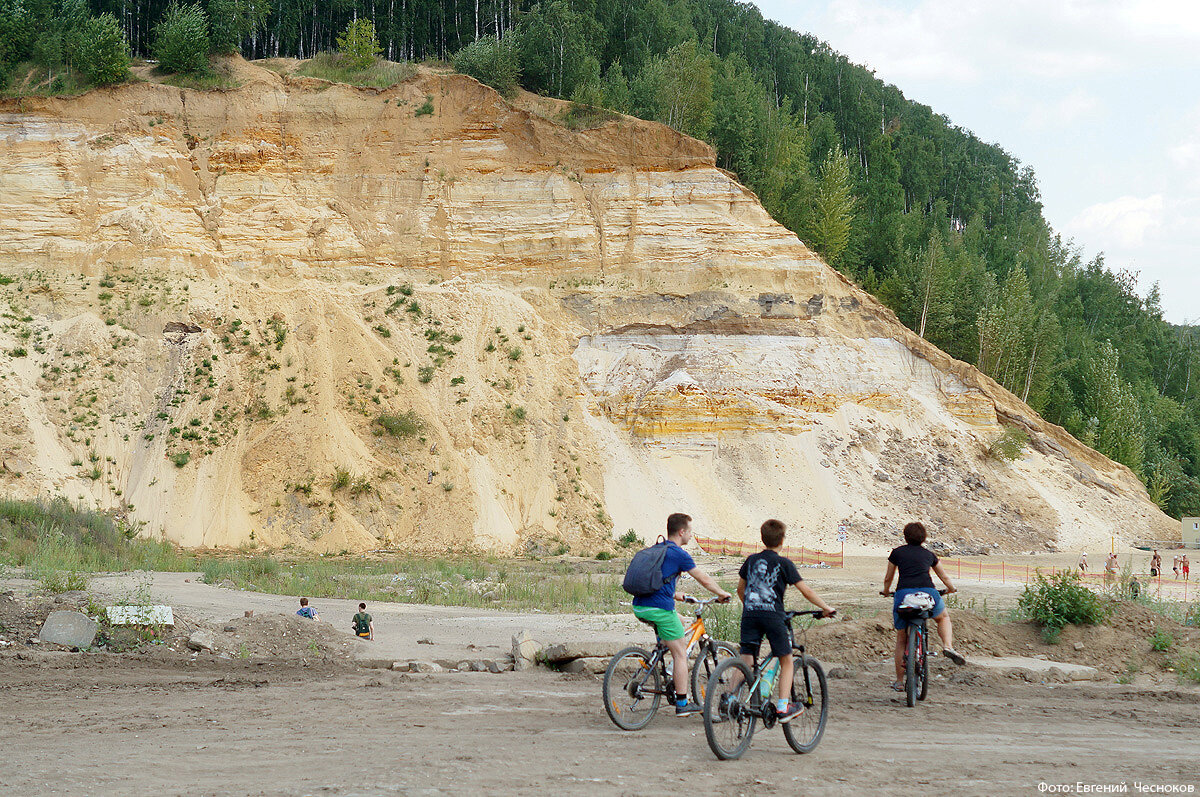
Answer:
(589, 664)
(566, 651)
(202, 639)
(525, 650)
(73, 629)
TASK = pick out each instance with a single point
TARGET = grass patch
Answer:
(404, 424)
(338, 69)
(57, 541)
(462, 581)
(1187, 664)
(1009, 445)
(213, 80)
(583, 117)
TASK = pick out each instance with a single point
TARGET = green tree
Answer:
(358, 44)
(884, 206)
(491, 61)
(832, 217)
(181, 39)
(101, 53)
(232, 21)
(676, 90)
(1115, 407)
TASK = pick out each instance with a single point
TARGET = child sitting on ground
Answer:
(307, 611)
(764, 579)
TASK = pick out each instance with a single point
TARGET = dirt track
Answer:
(239, 728)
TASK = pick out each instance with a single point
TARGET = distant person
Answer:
(1083, 562)
(915, 561)
(364, 628)
(307, 611)
(1155, 564)
(1175, 565)
(1185, 564)
(1110, 569)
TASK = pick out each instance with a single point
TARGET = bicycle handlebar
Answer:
(704, 601)
(818, 613)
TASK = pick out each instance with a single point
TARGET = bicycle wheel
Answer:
(707, 658)
(923, 668)
(633, 687)
(804, 732)
(729, 712)
(910, 668)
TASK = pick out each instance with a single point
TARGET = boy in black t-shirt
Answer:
(765, 577)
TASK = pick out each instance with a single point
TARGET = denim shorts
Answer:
(939, 605)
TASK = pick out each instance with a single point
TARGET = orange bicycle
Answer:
(636, 680)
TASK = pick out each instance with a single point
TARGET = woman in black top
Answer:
(914, 561)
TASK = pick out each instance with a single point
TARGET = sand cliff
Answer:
(219, 294)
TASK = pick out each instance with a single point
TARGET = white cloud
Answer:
(1057, 113)
(1122, 222)
(964, 40)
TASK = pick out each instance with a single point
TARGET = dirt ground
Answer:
(168, 721)
(143, 727)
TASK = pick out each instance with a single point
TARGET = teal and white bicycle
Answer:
(738, 699)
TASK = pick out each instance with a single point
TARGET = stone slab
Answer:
(1037, 667)
(72, 629)
(566, 651)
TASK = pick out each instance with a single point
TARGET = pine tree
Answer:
(832, 217)
(181, 39)
(101, 53)
(358, 44)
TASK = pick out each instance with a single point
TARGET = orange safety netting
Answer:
(801, 556)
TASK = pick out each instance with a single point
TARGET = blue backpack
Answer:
(645, 576)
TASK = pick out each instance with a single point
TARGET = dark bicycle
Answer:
(739, 698)
(916, 658)
(636, 680)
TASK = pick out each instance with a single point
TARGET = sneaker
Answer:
(687, 710)
(954, 656)
(898, 686)
(793, 710)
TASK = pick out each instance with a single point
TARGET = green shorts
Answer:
(666, 623)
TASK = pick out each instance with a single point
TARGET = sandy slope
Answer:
(613, 329)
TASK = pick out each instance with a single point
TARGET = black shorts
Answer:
(773, 626)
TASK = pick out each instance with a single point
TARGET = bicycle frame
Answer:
(696, 633)
(766, 710)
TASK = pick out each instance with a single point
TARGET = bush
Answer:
(1009, 445)
(1187, 664)
(1161, 640)
(181, 40)
(101, 54)
(1062, 599)
(358, 43)
(491, 61)
(628, 539)
(406, 424)
(181, 458)
(426, 109)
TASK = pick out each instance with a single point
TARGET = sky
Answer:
(1100, 97)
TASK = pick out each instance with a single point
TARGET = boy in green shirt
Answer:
(363, 627)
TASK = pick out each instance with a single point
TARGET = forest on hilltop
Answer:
(946, 229)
